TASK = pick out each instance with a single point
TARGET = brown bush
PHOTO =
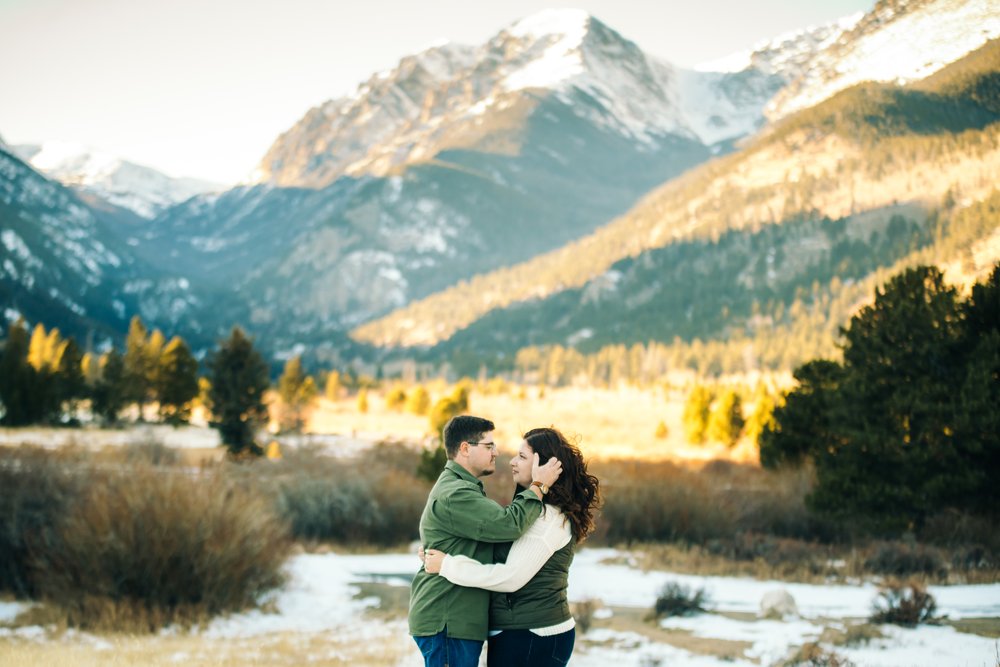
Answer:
(899, 559)
(38, 486)
(663, 501)
(148, 547)
(374, 499)
(814, 655)
(675, 599)
(907, 604)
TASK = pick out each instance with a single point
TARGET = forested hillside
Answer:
(784, 238)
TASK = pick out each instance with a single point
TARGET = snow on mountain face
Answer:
(898, 41)
(425, 104)
(128, 185)
(67, 227)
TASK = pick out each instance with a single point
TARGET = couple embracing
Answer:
(500, 573)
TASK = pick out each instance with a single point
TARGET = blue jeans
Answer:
(523, 648)
(440, 650)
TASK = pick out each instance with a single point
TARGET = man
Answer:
(449, 622)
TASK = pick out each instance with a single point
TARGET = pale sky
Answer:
(203, 87)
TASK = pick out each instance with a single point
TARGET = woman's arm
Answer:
(547, 535)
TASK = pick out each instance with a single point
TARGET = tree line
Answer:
(45, 379)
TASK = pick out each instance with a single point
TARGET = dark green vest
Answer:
(541, 602)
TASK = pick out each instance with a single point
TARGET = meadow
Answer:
(313, 546)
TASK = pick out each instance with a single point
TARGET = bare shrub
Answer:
(152, 452)
(664, 501)
(814, 655)
(38, 486)
(907, 604)
(374, 499)
(675, 599)
(149, 547)
(860, 634)
(899, 559)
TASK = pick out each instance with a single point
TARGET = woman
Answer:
(530, 620)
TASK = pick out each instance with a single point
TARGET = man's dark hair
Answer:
(464, 428)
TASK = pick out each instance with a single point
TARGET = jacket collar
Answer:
(462, 473)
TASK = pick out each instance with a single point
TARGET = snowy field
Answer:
(322, 599)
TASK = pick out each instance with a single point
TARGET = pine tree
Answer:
(431, 463)
(138, 370)
(239, 378)
(109, 393)
(17, 377)
(297, 393)
(70, 384)
(176, 382)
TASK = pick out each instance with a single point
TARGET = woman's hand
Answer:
(433, 560)
(546, 474)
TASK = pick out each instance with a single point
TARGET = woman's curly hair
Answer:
(576, 492)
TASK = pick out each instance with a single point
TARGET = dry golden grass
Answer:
(388, 645)
(609, 423)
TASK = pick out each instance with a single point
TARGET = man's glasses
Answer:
(484, 443)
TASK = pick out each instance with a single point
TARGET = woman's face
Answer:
(520, 465)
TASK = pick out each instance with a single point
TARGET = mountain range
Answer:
(102, 177)
(554, 185)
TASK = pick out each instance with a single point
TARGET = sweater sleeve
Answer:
(547, 535)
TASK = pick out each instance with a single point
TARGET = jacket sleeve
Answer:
(470, 514)
(546, 536)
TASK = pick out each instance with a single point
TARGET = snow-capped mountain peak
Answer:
(897, 41)
(120, 182)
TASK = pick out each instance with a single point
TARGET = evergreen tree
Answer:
(70, 384)
(176, 382)
(908, 424)
(239, 378)
(978, 425)
(297, 393)
(896, 460)
(696, 412)
(109, 393)
(431, 463)
(17, 377)
(139, 369)
(725, 422)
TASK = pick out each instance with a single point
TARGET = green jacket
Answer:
(459, 519)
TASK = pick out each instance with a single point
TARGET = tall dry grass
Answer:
(37, 488)
(374, 499)
(150, 546)
(662, 501)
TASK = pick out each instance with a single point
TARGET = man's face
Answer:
(482, 455)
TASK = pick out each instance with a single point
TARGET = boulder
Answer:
(777, 604)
